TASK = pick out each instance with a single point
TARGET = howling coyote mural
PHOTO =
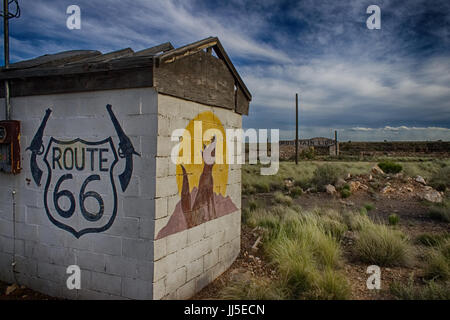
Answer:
(202, 186)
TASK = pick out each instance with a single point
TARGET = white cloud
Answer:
(346, 76)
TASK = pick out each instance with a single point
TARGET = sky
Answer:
(370, 85)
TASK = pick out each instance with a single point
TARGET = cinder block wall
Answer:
(187, 261)
(116, 263)
(125, 261)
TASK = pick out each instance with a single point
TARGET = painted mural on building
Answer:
(202, 186)
(74, 170)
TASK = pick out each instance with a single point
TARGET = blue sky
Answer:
(389, 84)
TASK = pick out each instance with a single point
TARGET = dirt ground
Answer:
(21, 293)
(402, 200)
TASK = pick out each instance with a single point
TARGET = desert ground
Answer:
(312, 230)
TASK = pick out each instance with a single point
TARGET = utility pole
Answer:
(296, 128)
(335, 143)
(6, 16)
(6, 55)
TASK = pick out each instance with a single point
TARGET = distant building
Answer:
(313, 142)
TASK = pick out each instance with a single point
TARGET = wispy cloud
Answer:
(347, 76)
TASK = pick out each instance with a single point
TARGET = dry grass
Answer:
(438, 262)
(381, 245)
(305, 249)
(430, 291)
(255, 289)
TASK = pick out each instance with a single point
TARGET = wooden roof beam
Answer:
(155, 50)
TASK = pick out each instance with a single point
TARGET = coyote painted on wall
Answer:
(201, 204)
(203, 208)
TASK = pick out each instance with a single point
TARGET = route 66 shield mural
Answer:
(80, 193)
(76, 169)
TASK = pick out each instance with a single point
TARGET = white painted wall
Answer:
(116, 263)
(125, 261)
(187, 261)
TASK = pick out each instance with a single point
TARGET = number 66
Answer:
(90, 216)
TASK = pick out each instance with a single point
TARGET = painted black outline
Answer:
(79, 234)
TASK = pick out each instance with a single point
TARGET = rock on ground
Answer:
(431, 196)
(354, 185)
(377, 170)
(421, 180)
(340, 183)
(330, 189)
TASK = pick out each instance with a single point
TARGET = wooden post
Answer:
(296, 128)
(335, 143)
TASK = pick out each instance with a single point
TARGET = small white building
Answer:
(97, 188)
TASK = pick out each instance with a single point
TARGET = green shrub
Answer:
(332, 286)
(346, 187)
(304, 248)
(444, 248)
(431, 240)
(390, 167)
(269, 219)
(430, 291)
(262, 187)
(356, 221)
(326, 174)
(369, 206)
(280, 198)
(333, 227)
(308, 153)
(252, 205)
(363, 211)
(393, 219)
(248, 189)
(296, 192)
(438, 262)
(441, 211)
(378, 244)
(437, 266)
(255, 289)
(345, 193)
(277, 185)
(441, 179)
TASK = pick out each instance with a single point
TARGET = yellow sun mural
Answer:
(202, 175)
(199, 133)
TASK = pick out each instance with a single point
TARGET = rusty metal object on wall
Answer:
(10, 146)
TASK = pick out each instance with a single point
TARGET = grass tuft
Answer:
(393, 219)
(441, 179)
(431, 240)
(304, 246)
(326, 174)
(345, 193)
(431, 291)
(378, 244)
(280, 198)
(296, 192)
(390, 167)
(441, 211)
(255, 289)
(438, 262)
